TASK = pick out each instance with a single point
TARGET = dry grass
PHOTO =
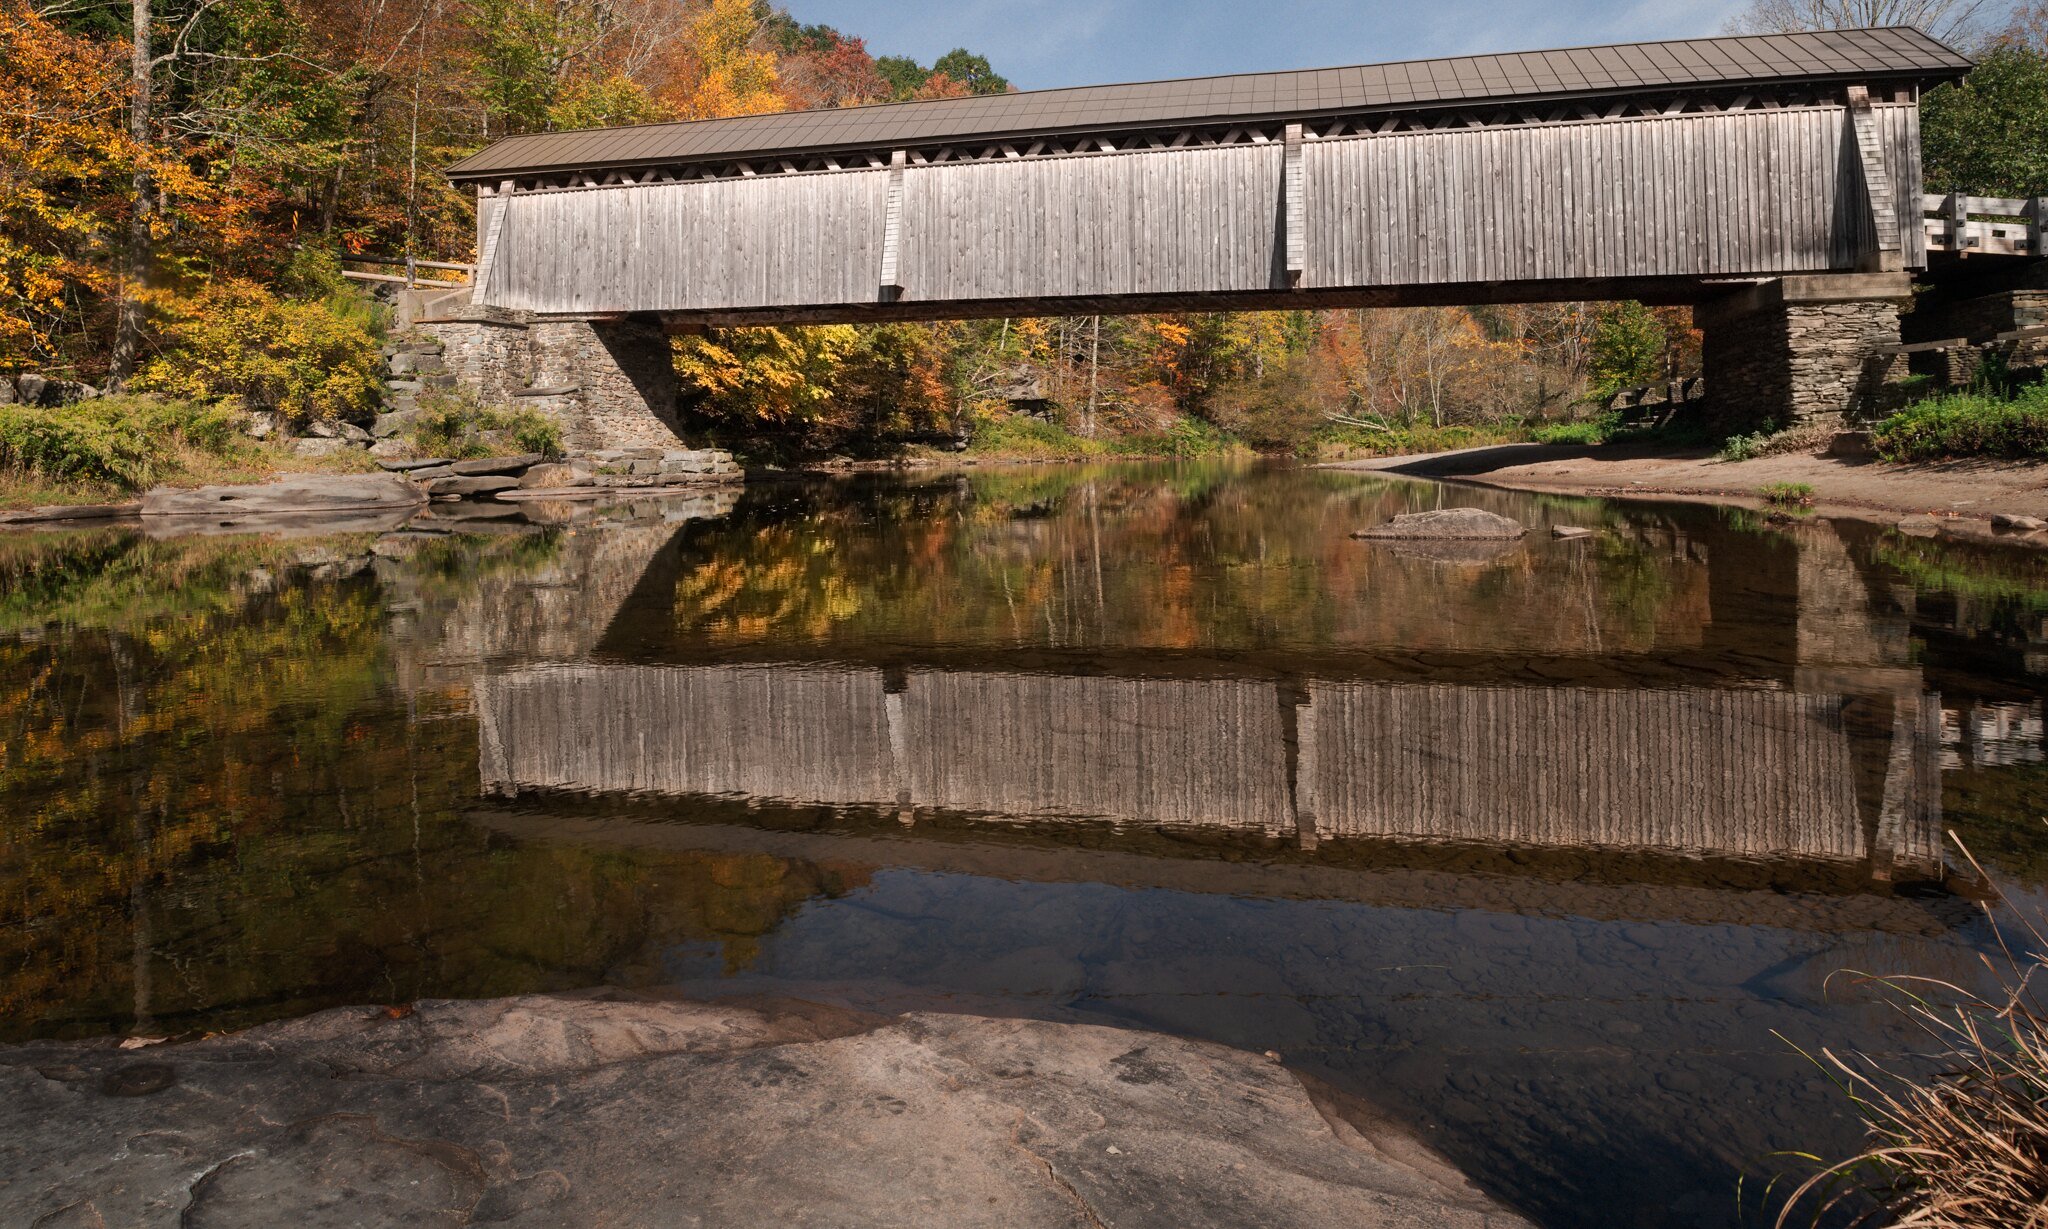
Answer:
(1968, 1147)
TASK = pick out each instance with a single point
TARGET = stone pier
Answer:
(609, 382)
(1801, 349)
(2003, 311)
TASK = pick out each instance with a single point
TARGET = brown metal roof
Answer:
(1891, 53)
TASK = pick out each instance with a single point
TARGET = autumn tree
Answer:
(722, 69)
(66, 163)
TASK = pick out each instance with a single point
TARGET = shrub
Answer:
(1968, 425)
(237, 341)
(1744, 447)
(459, 426)
(130, 441)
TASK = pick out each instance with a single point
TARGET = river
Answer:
(1555, 853)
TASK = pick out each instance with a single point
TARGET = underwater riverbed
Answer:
(1552, 853)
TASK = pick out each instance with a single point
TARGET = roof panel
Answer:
(1892, 53)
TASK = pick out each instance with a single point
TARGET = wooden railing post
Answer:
(1956, 211)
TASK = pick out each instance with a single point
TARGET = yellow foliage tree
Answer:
(727, 73)
(772, 374)
(64, 159)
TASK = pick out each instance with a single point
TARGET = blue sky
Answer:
(1040, 44)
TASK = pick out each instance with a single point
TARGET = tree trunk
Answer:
(1094, 374)
(128, 329)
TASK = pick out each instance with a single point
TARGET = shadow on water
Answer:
(1541, 854)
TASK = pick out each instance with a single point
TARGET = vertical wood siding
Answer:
(770, 732)
(774, 241)
(1173, 752)
(1738, 773)
(1725, 772)
(1672, 196)
(1158, 222)
(1740, 193)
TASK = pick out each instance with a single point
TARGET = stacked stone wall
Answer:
(624, 376)
(489, 354)
(610, 384)
(1799, 362)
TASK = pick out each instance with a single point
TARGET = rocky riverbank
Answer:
(1961, 498)
(605, 1109)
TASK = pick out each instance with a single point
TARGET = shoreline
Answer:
(1953, 497)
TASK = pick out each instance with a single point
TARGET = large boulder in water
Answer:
(1446, 525)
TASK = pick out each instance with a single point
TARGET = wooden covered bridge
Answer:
(1772, 180)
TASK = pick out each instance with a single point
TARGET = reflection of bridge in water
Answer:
(1720, 773)
(1761, 714)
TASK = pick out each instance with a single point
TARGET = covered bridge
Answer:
(1772, 179)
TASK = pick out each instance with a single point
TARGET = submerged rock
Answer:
(609, 1110)
(1570, 532)
(1446, 525)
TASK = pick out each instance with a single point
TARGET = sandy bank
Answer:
(1972, 491)
(616, 1110)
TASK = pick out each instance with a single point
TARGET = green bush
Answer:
(131, 441)
(1968, 425)
(1585, 431)
(460, 426)
(235, 341)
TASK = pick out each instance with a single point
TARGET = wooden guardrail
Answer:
(412, 265)
(1985, 225)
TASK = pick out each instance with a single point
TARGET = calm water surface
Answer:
(1535, 850)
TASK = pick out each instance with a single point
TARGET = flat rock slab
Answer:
(399, 465)
(1567, 533)
(294, 494)
(609, 1110)
(71, 512)
(1446, 525)
(479, 485)
(496, 465)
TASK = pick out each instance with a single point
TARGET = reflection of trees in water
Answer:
(222, 811)
(1204, 557)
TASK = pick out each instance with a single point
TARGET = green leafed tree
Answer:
(1628, 348)
(1989, 135)
(972, 71)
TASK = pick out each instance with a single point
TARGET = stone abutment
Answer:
(1802, 349)
(610, 383)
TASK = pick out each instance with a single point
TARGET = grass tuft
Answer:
(1788, 494)
(1968, 1147)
